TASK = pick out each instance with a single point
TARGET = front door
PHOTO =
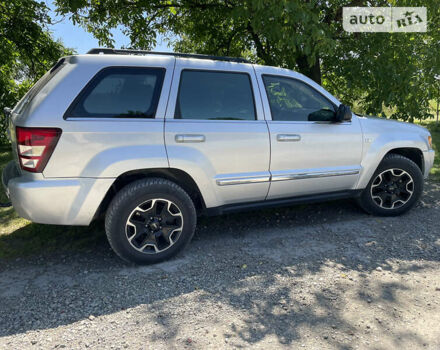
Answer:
(310, 153)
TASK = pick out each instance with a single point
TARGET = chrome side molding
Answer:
(225, 181)
(243, 180)
(300, 176)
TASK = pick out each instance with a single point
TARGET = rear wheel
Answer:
(150, 220)
(394, 188)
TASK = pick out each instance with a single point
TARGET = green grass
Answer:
(19, 237)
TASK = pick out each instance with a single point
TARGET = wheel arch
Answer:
(373, 159)
(180, 177)
(412, 153)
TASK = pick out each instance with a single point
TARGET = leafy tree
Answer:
(27, 50)
(276, 32)
(391, 74)
(374, 71)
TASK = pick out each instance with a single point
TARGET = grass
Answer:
(19, 237)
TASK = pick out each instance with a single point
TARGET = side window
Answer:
(120, 92)
(215, 96)
(293, 100)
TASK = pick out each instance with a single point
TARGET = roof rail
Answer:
(109, 51)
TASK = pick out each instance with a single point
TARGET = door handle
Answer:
(189, 138)
(288, 137)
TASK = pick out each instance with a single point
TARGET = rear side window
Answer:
(120, 92)
(215, 96)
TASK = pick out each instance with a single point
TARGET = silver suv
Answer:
(153, 140)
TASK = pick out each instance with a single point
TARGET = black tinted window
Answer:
(215, 95)
(293, 100)
(127, 92)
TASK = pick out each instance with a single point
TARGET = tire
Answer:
(395, 187)
(143, 227)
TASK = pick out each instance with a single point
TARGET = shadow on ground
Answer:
(280, 270)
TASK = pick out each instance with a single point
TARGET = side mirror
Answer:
(343, 114)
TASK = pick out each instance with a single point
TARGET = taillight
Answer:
(35, 146)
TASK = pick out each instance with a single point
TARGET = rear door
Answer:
(216, 132)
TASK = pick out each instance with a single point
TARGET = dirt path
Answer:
(322, 276)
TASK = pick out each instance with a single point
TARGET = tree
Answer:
(276, 32)
(27, 50)
(388, 73)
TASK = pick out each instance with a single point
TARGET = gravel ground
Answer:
(321, 276)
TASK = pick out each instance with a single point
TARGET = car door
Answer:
(215, 130)
(310, 153)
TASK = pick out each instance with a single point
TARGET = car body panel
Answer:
(108, 147)
(91, 148)
(381, 136)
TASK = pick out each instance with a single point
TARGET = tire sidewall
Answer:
(128, 199)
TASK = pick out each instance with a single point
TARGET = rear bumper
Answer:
(428, 156)
(58, 201)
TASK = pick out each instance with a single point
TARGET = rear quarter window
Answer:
(120, 92)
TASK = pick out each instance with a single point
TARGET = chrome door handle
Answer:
(189, 138)
(288, 137)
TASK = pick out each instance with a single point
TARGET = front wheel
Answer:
(394, 188)
(150, 220)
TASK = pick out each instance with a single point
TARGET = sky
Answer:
(77, 38)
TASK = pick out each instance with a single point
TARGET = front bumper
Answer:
(428, 156)
(58, 201)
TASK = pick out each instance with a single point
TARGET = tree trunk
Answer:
(313, 71)
(438, 100)
(437, 110)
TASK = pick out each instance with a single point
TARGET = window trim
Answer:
(335, 107)
(93, 82)
(177, 105)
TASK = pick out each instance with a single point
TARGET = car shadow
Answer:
(256, 263)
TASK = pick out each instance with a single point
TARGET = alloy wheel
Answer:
(154, 226)
(392, 188)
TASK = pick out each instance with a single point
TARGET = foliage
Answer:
(391, 74)
(373, 70)
(434, 129)
(27, 50)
